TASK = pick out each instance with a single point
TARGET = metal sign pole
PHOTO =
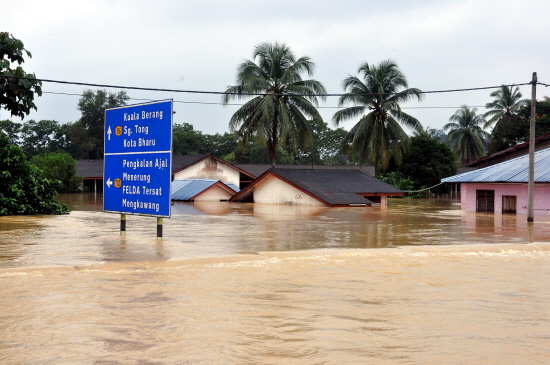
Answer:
(123, 224)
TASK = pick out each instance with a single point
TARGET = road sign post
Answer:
(137, 171)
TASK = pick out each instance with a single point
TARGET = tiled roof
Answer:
(511, 171)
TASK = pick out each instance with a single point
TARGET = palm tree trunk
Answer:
(272, 142)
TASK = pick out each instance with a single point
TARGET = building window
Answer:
(508, 204)
(485, 201)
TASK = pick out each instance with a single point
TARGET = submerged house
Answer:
(208, 166)
(502, 188)
(331, 188)
(203, 166)
(192, 190)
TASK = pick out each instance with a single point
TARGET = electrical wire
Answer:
(237, 104)
(417, 191)
(245, 94)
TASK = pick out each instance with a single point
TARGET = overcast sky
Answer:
(197, 45)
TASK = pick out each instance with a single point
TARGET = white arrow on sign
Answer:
(109, 133)
(109, 182)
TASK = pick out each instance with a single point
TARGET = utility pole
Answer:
(531, 184)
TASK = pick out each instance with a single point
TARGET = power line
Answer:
(236, 104)
(245, 94)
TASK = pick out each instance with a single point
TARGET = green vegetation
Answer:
(88, 131)
(514, 130)
(378, 132)
(506, 104)
(59, 166)
(16, 95)
(23, 187)
(424, 164)
(279, 124)
(278, 115)
(466, 135)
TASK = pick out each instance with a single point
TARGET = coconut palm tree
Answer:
(282, 102)
(507, 103)
(466, 134)
(375, 98)
(429, 133)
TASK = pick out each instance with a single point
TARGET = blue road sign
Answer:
(137, 170)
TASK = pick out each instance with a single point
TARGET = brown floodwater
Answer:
(418, 282)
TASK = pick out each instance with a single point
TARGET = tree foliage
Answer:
(513, 130)
(426, 162)
(375, 99)
(59, 166)
(466, 134)
(506, 104)
(23, 187)
(44, 136)
(187, 141)
(88, 131)
(279, 115)
(16, 94)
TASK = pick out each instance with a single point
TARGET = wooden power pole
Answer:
(531, 184)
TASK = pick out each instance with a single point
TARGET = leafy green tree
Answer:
(513, 130)
(59, 166)
(88, 132)
(37, 137)
(426, 162)
(11, 129)
(325, 149)
(23, 187)
(279, 114)
(329, 147)
(187, 141)
(466, 134)
(382, 88)
(506, 104)
(16, 94)
(430, 133)
(395, 178)
(221, 145)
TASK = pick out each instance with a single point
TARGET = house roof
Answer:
(188, 189)
(506, 151)
(332, 187)
(93, 169)
(89, 169)
(182, 161)
(258, 169)
(511, 171)
(187, 160)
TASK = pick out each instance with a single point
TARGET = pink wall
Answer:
(542, 196)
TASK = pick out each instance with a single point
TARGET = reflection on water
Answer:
(88, 235)
(252, 284)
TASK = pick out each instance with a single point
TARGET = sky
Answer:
(198, 45)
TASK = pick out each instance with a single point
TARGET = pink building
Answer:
(502, 188)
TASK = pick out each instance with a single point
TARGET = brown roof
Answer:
(258, 169)
(506, 151)
(333, 187)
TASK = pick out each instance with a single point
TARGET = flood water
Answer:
(418, 282)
